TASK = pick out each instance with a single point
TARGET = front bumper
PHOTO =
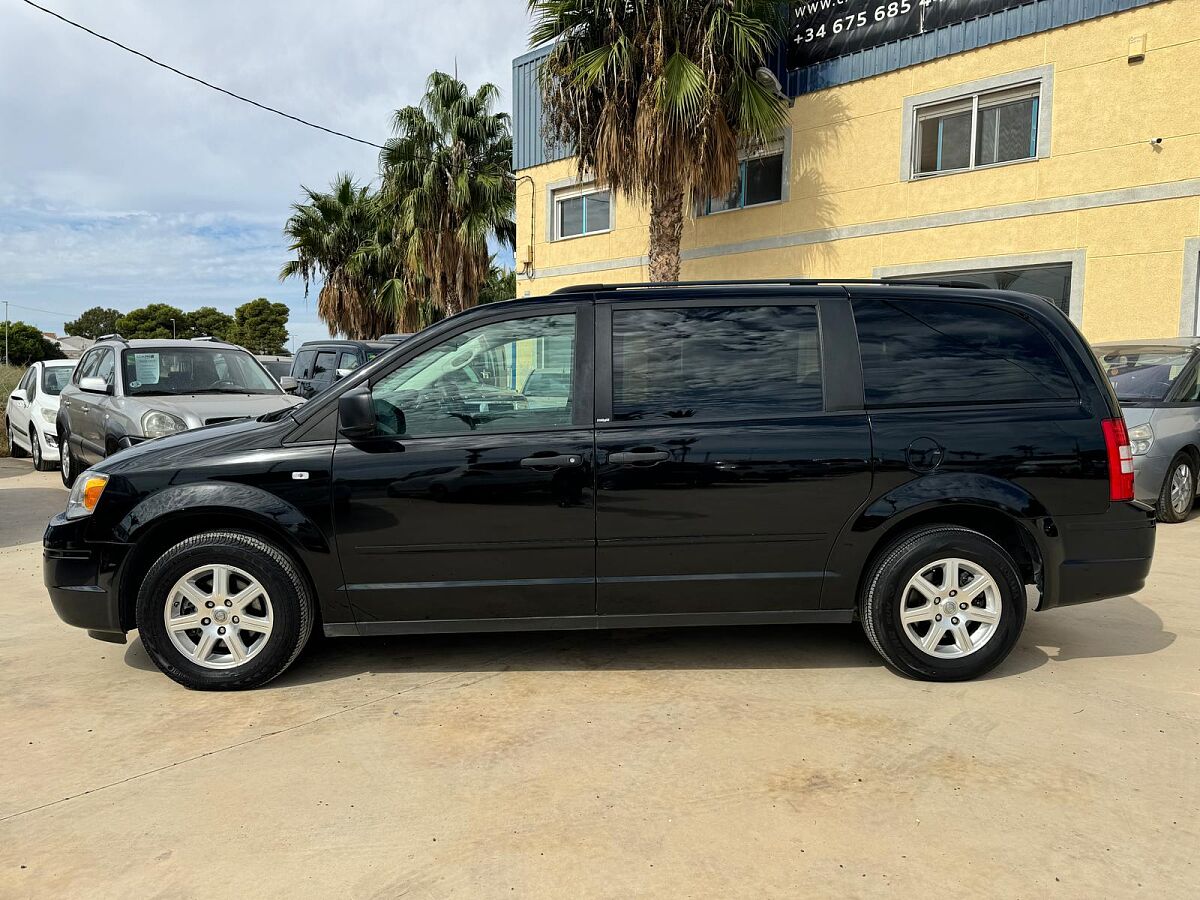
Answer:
(49, 444)
(81, 577)
(1096, 557)
(1149, 473)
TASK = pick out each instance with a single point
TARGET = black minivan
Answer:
(909, 455)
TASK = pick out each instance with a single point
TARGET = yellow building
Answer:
(1046, 145)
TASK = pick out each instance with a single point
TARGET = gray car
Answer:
(125, 392)
(1158, 385)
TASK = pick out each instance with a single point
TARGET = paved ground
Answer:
(746, 762)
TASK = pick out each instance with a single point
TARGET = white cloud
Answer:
(121, 183)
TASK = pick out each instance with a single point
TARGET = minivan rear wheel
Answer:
(943, 603)
(224, 610)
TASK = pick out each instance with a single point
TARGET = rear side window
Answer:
(932, 352)
(715, 362)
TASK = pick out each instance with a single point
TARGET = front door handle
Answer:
(563, 461)
(638, 456)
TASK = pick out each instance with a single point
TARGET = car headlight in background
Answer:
(1141, 438)
(86, 494)
(156, 424)
(48, 415)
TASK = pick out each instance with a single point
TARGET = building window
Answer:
(580, 211)
(759, 180)
(978, 130)
(1050, 281)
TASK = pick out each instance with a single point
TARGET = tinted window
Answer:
(324, 366)
(1143, 373)
(277, 367)
(303, 364)
(349, 360)
(930, 352)
(470, 382)
(715, 362)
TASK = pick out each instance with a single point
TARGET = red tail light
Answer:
(1120, 460)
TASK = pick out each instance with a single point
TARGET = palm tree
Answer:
(659, 98)
(327, 233)
(447, 187)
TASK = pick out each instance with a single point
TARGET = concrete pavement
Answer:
(696, 762)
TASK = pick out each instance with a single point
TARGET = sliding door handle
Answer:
(552, 461)
(628, 457)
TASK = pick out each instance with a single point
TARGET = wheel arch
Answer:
(998, 509)
(168, 517)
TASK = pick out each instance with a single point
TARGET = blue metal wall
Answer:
(529, 148)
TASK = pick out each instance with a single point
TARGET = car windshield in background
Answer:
(55, 378)
(1142, 373)
(193, 370)
(278, 367)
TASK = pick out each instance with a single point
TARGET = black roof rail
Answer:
(784, 282)
(111, 337)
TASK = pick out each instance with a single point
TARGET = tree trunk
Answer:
(666, 231)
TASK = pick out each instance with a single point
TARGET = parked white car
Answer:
(33, 408)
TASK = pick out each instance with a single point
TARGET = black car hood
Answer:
(188, 447)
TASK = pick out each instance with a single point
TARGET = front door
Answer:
(474, 502)
(732, 456)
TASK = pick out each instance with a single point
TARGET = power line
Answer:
(206, 84)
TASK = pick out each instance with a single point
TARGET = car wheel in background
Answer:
(1178, 492)
(39, 458)
(15, 451)
(224, 610)
(943, 604)
(66, 460)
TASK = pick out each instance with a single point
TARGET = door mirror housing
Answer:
(95, 385)
(356, 413)
(342, 373)
(20, 395)
(289, 384)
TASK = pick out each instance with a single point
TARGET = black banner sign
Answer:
(823, 29)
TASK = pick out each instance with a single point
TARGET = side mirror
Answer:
(94, 385)
(289, 384)
(19, 395)
(356, 413)
(342, 373)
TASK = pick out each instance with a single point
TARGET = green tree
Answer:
(94, 322)
(26, 345)
(659, 97)
(500, 284)
(153, 321)
(207, 321)
(261, 326)
(328, 233)
(446, 187)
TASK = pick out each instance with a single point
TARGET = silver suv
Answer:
(125, 392)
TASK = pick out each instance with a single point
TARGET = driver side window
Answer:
(474, 381)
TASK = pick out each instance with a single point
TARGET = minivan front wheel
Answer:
(943, 604)
(224, 611)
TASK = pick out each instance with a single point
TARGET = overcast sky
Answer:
(123, 184)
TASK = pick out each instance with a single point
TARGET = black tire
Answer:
(1167, 512)
(14, 451)
(68, 469)
(293, 609)
(39, 458)
(883, 598)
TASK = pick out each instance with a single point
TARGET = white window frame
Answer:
(571, 193)
(781, 148)
(1032, 83)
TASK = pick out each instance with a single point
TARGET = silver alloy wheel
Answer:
(950, 608)
(218, 616)
(64, 460)
(1183, 489)
(35, 445)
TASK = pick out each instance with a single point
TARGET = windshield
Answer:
(1143, 373)
(194, 370)
(55, 378)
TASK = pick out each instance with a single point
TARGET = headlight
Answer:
(156, 424)
(48, 415)
(1140, 439)
(86, 494)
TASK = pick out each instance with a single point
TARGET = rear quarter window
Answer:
(938, 353)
